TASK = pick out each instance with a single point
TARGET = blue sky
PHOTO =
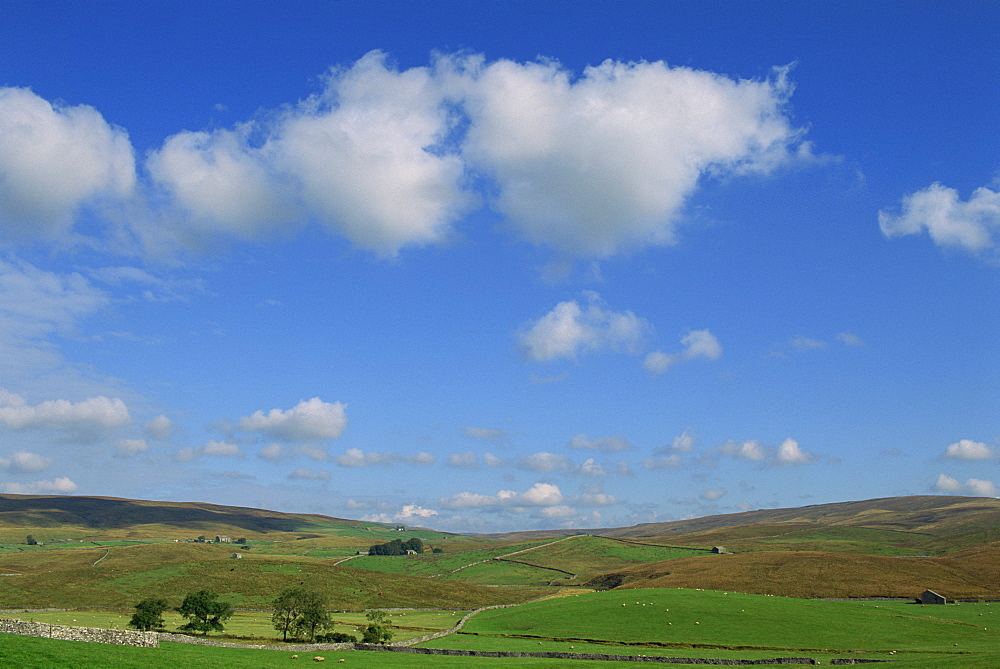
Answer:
(500, 265)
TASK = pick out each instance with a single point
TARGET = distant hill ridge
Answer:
(931, 515)
(112, 513)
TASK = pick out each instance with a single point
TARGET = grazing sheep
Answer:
(319, 659)
(295, 657)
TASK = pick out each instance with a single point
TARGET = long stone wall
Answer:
(68, 633)
(588, 656)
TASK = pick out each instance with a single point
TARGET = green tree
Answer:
(31, 541)
(204, 613)
(148, 614)
(301, 613)
(378, 629)
(414, 544)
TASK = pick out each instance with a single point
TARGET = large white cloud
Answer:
(966, 449)
(973, 225)
(95, 414)
(362, 153)
(309, 419)
(390, 158)
(221, 184)
(53, 159)
(605, 161)
(571, 329)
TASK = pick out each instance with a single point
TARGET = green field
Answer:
(716, 624)
(31, 653)
(250, 626)
(674, 623)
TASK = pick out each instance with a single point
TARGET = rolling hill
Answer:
(101, 551)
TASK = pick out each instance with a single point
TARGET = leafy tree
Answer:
(336, 637)
(242, 541)
(437, 550)
(378, 629)
(301, 613)
(397, 547)
(31, 541)
(148, 614)
(204, 613)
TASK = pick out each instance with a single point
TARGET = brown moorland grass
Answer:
(971, 573)
(123, 575)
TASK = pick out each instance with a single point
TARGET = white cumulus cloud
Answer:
(790, 453)
(309, 419)
(982, 488)
(220, 184)
(361, 154)
(571, 329)
(747, 450)
(538, 495)
(697, 344)
(87, 417)
(25, 462)
(159, 427)
(53, 160)
(972, 486)
(605, 161)
(58, 486)
(972, 225)
(222, 449)
(966, 449)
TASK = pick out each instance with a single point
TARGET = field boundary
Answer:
(89, 634)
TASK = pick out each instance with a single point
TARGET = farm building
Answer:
(222, 539)
(719, 550)
(931, 597)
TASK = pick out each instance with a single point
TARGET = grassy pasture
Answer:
(250, 626)
(121, 576)
(587, 554)
(431, 564)
(713, 624)
(31, 653)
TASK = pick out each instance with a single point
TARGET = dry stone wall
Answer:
(68, 633)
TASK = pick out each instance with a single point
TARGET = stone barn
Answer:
(931, 597)
(719, 550)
